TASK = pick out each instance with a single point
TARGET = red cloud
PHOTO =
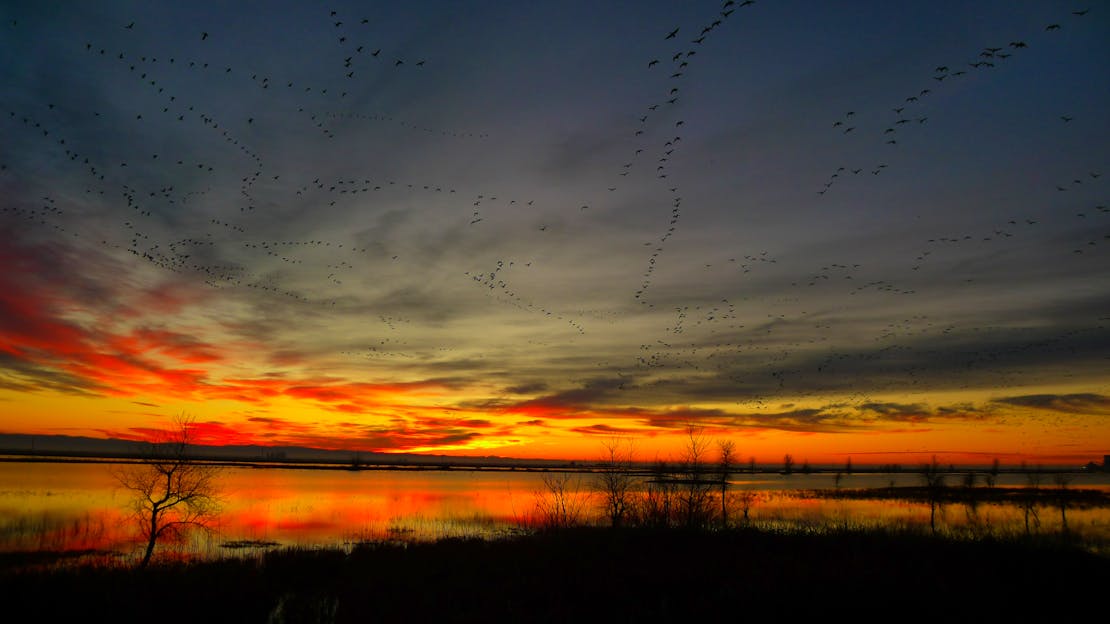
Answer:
(54, 320)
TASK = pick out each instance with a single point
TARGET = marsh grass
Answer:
(588, 574)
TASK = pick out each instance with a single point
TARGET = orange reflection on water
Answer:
(325, 505)
(59, 507)
(52, 506)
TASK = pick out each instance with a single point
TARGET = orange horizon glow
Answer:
(472, 433)
(117, 372)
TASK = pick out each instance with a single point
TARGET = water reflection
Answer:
(59, 507)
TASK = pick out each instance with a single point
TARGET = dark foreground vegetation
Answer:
(586, 575)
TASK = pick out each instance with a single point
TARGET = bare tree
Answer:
(933, 476)
(615, 480)
(1029, 501)
(727, 450)
(561, 503)
(787, 464)
(746, 499)
(657, 505)
(171, 492)
(1062, 480)
(991, 477)
(696, 494)
(971, 501)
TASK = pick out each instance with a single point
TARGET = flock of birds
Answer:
(705, 338)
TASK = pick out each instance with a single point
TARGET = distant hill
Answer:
(79, 446)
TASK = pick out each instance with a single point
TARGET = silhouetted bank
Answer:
(586, 575)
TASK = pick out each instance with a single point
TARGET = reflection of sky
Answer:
(488, 228)
(52, 506)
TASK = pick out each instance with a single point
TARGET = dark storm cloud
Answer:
(527, 388)
(607, 430)
(592, 392)
(997, 356)
(897, 410)
(1081, 403)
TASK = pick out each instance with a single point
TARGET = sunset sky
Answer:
(867, 229)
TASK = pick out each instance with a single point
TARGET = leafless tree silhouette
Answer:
(933, 476)
(747, 499)
(727, 462)
(1062, 480)
(991, 477)
(657, 505)
(615, 480)
(171, 492)
(697, 491)
(1029, 502)
(562, 502)
(971, 501)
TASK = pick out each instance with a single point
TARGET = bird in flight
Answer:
(653, 63)
(671, 35)
(203, 36)
(130, 26)
(1052, 27)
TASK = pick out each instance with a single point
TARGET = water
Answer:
(74, 506)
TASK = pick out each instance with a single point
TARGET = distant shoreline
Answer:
(442, 463)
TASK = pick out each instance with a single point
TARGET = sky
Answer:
(863, 229)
